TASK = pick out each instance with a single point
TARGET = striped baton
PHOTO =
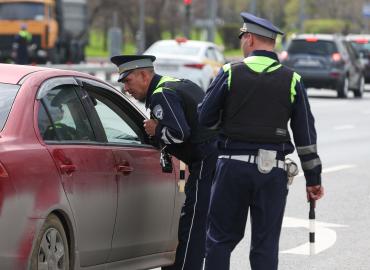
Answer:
(311, 216)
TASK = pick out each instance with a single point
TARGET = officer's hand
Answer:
(150, 126)
(315, 192)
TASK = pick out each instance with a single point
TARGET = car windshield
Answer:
(22, 11)
(180, 49)
(319, 47)
(7, 95)
(361, 46)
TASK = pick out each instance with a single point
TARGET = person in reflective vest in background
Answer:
(20, 46)
(173, 105)
(252, 101)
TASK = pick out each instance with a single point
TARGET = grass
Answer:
(96, 44)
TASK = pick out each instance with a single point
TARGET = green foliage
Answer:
(327, 26)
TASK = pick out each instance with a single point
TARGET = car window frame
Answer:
(48, 86)
(121, 103)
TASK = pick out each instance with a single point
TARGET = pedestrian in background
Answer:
(173, 105)
(20, 46)
(252, 101)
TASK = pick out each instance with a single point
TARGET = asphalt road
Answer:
(343, 215)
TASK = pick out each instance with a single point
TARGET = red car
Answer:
(81, 186)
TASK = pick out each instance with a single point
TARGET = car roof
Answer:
(196, 43)
(318, 36)
(12, 74)
(357, 36)
(18, 74)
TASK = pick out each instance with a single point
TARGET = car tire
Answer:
(358, 93)
(343, 89)
(51, 250)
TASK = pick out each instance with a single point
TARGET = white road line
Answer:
(335, 168)
(325, 237)
(344, 127)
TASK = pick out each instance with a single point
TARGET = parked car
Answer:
(198, 61)
(80, 182)
(324, 61)
(361, 44)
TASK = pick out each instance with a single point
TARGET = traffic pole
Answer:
(311, 216)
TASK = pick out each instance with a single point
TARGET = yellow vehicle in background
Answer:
(59, 29)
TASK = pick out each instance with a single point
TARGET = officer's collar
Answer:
(268, 54)
(152, 86)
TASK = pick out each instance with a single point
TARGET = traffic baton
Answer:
(311, 216)
(182, 177)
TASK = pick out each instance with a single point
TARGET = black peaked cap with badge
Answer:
(128, 63)
(258, 26)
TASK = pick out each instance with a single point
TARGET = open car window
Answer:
(115, 117)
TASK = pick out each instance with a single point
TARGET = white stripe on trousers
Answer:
(192, 220)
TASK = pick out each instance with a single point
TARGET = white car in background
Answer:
(198, 61)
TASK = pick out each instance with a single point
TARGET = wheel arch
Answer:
(68, 227)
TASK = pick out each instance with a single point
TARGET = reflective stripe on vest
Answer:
(163, 80)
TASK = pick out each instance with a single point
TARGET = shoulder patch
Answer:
(158, 111)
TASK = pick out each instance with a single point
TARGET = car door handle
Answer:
(68, 168)
(125, 169)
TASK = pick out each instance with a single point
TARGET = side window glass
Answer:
(63, 118)
(211, 54)
(117, 126)
(219, 56)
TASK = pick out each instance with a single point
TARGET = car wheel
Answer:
(360, 90)
(343, 88)
(51, 250)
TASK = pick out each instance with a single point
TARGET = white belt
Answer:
(252, 159)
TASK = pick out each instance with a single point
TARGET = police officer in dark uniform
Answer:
(252, 102)
(21, 42)
(173, 105)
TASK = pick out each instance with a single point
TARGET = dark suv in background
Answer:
(325, 61)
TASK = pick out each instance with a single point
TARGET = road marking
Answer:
(344, 127)
(325, 237)
(335, 168)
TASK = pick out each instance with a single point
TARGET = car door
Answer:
(86, 167)
(145, 222)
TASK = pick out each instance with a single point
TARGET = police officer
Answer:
(252, 101)
(173, 105)
(20, 46)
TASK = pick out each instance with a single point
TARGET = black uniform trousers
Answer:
(190, 251)
(240, 187)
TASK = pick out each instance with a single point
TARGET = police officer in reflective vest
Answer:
(252, 102)
(173, 105)
(21, 42)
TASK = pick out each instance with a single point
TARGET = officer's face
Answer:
(135, 84)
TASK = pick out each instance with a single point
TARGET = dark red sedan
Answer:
(80, 182)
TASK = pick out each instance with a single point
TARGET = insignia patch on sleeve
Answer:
(158, 112)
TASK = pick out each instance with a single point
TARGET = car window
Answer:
(117, 124)
(62, 116)
(319, 47)
(211, 54)
(7, 95)
(220, 57)
(361, 46)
